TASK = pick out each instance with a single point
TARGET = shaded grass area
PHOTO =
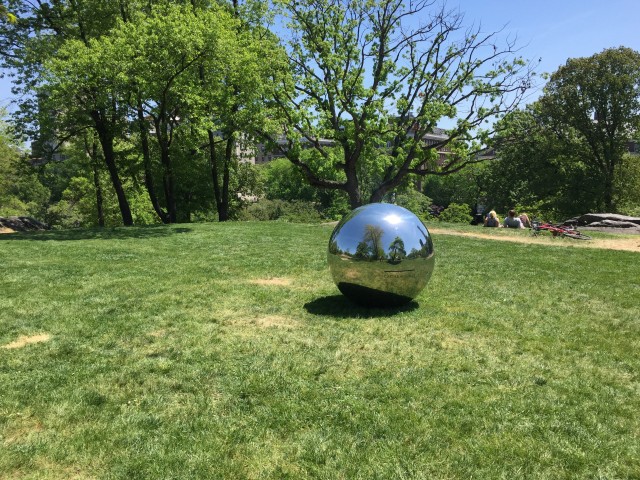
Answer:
(225, 351)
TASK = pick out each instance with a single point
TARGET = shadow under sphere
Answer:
(381, 255)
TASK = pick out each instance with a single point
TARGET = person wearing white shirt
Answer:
(511, 221)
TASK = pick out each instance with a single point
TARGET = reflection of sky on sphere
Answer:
(394, 221)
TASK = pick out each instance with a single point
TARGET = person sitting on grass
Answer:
(526, 222)
(492, 220)
(511, 221)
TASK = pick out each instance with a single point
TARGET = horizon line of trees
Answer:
(152, 103)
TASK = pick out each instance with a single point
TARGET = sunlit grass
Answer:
(225, 351)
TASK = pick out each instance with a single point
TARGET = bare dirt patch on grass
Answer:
(6, 230)
(631, 244)
(25, 340)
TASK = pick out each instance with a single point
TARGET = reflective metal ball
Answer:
(381, 255)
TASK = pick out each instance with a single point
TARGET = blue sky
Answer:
(555, 31)
(549, 30)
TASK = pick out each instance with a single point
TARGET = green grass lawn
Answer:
(225, 351)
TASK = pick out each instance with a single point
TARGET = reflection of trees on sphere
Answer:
(396, 250)
(373, 238)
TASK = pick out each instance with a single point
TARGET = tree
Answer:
(373, 77)
(536, 170)
(373, 238)
(79, 94)
(396, 250)
(21, 193)
(234, 107)
(627, 185)
(283, 180)
(181, 78)
(468, 185)
(50, 35)
(593, 104)
(157, 57)
(192, 76)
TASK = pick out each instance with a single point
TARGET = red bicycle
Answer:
(557, 230)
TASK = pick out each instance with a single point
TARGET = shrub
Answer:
(294, 211)
(456, 213)
(281, 180)
(415, 201)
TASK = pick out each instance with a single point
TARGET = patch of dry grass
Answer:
(611, 242)
(25, 340)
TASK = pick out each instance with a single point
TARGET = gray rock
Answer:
(615, 224)
(572, 222)
(590, 218)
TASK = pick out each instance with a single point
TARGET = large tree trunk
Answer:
(607, 196)
(377, 195)
(355, 200)
(352, 186)
(146, 159)
(221, 190)
(106, 142)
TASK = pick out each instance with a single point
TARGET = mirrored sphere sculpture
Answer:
(381, 255)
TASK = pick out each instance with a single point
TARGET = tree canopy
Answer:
(156, 103)
(567, 153)
(375, 77)
(178, 82)
(593, 104)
